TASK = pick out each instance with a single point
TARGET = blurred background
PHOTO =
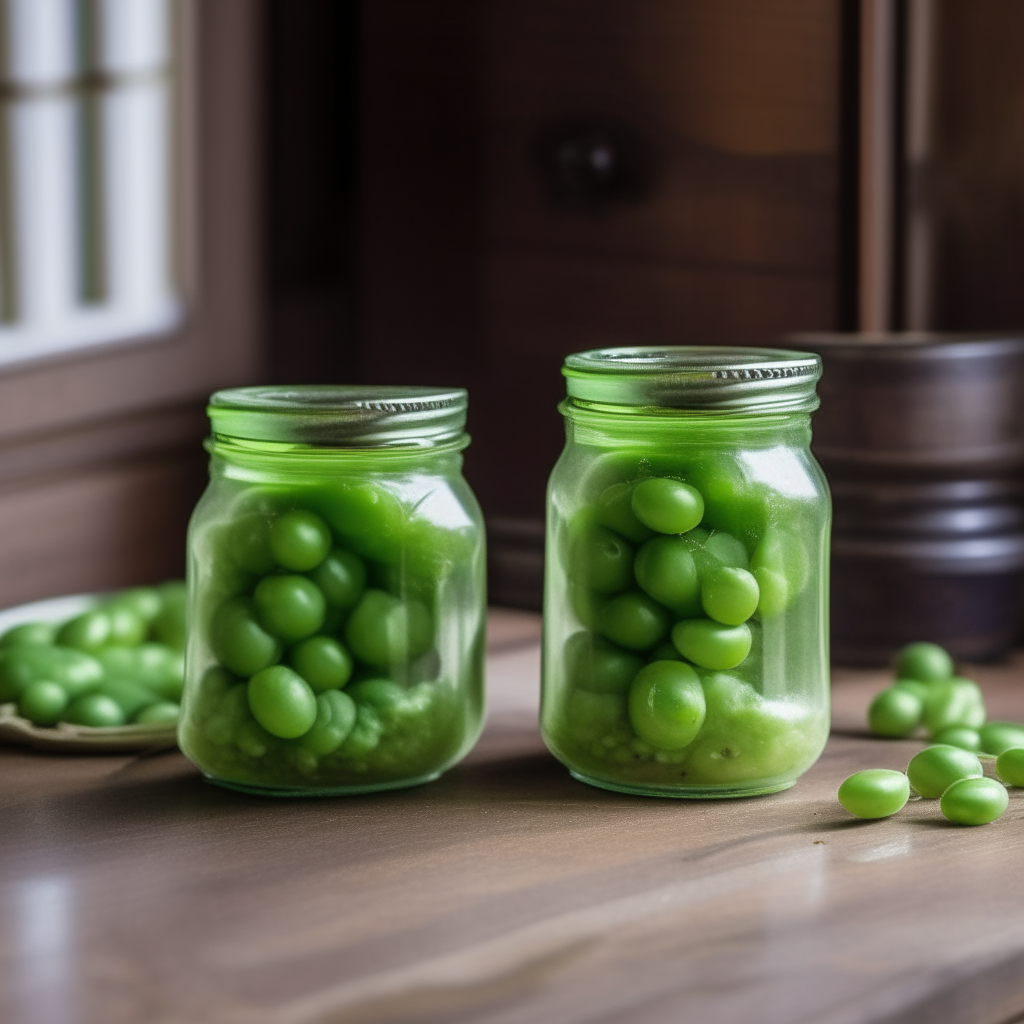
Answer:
(460, 192)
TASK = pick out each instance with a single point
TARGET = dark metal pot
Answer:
(922, 439)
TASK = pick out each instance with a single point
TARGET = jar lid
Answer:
(341, 416)
(710, 377)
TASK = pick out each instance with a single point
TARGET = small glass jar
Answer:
(686, 579)
(336, 592)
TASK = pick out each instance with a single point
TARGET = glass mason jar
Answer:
(686, 579)
(336, 592)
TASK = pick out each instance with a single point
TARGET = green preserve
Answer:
(686, 586)
(336, 592)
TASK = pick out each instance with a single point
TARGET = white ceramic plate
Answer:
(64, 737)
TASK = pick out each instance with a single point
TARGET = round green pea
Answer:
(144, 601)
(87, 632)
(772, 591)
(936, 768)
(282, 702)
(667, 506)
(711, 644)
(341, 577)
(915, 686)
(727, 549)
(874, 793)
(76, 671)
(895, 712)
(248, 543)
(925, 661)
(666, 704)
(383, 630)
(169, 625)
(29, 633)
(163, 712)
(42, 702)
(322, 662)
(614, 507)
(953, 701)
(602, 560)
(299, 540)
(729, 595)
(127, 627)
(595, 664)
(999, 736)
(976, 801)
(1010, 766)
(96, 710)
(959, 736)
(335, 717)
(666, 570)
(127, 695)
(289, 607)
(368, 518)
(632, 620)
(239, 642)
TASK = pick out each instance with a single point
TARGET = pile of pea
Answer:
(951, 708)
(663, 684)
(116, 664)
(323, 676)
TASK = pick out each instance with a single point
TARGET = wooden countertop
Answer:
(131, 891)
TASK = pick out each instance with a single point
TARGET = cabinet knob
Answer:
(589, 163)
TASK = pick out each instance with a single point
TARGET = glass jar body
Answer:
(736, 603)
(336, 619)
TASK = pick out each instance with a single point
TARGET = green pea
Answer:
(365, 735)
(729, 595)
(614, 508)
(163, 712)
(925, 661)
(248, 543)
(667, 506)
(895, 712)
(382, 695)
(161, 668)
(251, 738)
(368, 518)
(974, 801)
(169, 625)
(936, 768)
(915, 686)
(959, 736)
(383, 630)
(999, 736)
(299, 540)
(87, 632)
(37, 633)
(954, 701)
(42, 702)
(633, 620)
(602, 560)
(585, 604)
(94, 710)
(591, 716)
(666, 570)
(666, 704)
(341, 577)
(239, 642)
(126, 625)
(593, 663)
(781, 566)
(128, 696)
(874, 793)
(727, 549)
(335, 717)
(282, 702)
(322, 662)
(144, 601)
(711, 644)
(289, 607)
(76, 671)
(1010, 766)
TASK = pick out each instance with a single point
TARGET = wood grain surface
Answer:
(130, 891)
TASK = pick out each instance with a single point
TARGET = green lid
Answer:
(340, 416)
(709, 377)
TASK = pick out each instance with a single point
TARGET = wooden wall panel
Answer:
(112, 526)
